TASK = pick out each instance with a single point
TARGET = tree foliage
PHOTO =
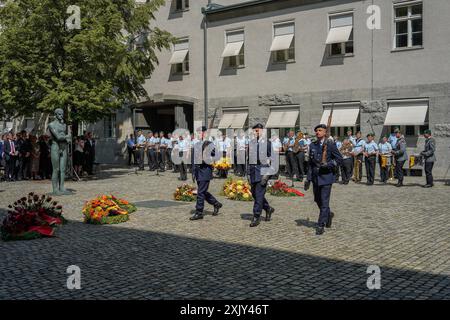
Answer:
(91, 71)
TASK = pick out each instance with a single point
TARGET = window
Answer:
(180, 57)
(109, 126)
(234, 49)
(408, 25)
(410, 131)
(181, 5)
(340, 36)
(283, 44)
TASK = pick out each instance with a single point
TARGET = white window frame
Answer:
(240, 58)
(109, 126)
(183, 5)
(285, 52)
(409, 18)
(185, 65)
(343, 44)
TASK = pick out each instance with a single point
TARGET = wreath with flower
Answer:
(31, 217)
(107, 209)
(237, 190)
(185, 192)
(281, 189)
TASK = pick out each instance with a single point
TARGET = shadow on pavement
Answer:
(121, 263)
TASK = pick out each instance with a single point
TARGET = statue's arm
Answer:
(57, 135)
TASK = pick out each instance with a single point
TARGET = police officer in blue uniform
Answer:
(322, 175)
(258, 180)
(202, 172)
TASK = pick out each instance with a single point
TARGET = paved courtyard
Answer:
(160, 254)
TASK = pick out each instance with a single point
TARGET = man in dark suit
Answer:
(10, 153)
(322, 175)
(89, 153)
(259, 178)
(202, 172)
(429, 158)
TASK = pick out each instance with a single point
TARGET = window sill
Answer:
(408, 49)
(340, 56)
(180, 74)
(283, 62)
(235, 68)
(180, 10)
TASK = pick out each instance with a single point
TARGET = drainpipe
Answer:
(205, 64)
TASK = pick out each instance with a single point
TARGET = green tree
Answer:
(46, 64)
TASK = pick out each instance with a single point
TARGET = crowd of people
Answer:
(390, 154)
(26, 156)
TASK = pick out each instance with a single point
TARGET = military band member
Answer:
(170, 143)
(164, 143)
(370, 158)
(385, 149)
(151, 151)
(358, 155)
(351, 137)
(256, 175)
(241, 146)
(291, 161)
(183, 148)
(202, 172)
(399, 152)
(322, 175)
(140, 146)
(347, 161)
(429, 158)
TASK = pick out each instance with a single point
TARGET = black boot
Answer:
(217, 207)
(269, 213)
(320, 231)
(197, 216)
(255, 221)
(330, 220)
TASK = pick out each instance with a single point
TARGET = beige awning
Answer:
(178, 56)
(232, 49)
(282, 42)
(339, 34)
(408, 114)
(282, 119)
(342, 117)
(233, 120)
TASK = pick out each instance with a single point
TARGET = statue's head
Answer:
(59, 114)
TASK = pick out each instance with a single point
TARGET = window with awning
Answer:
(233, 119)
(407, 112)
(343, 115)
(180, 52)
(282, 118)
(340, 35)
(283, 36)
(234, 43)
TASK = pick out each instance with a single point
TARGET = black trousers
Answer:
(203, 195)
(300, 159)
(152, 160)
(182, 167)
(259, 198)
(10, 166)
(384, 172)
(162, 156)
(169, 159)
(291, 164)
(24, 167)
(141, 155)
(399, 170)
(429, 172)
(346, 170)
(131, 156)
(370, 168)
(322, 196)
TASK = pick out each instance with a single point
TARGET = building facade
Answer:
(379, 63)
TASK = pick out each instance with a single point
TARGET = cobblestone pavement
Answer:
(160, 254)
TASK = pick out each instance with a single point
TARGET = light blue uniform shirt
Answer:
(165, 141)
(241, 143)
(141, 139)
(393, 140)
(338, 144)
(370, 147)
(184, 145)
(359, 146)
(385, 148)
(289, 141)
(352, 139)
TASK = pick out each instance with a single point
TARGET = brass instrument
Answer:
(391, 172)
(357, 164)
(385, 161)
(415, 160)
(297, 147)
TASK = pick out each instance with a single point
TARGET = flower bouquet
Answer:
(281, 189)
(32, 217)
(222, 166)
(107, 210)
(237, 190)
(186, 193)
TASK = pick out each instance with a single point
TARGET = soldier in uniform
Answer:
(256, 175)
(370, 158)
(322, 175)
(202, 172)
(140, 145)
(399, 152)
(358, 155)
(429, 157)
